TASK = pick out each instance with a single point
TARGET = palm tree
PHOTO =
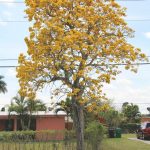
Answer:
(34, 106)
(24, 108)
(3, 85)
(19, 106)
(65, 106)
(3, 109)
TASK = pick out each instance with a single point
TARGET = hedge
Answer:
(130, 127)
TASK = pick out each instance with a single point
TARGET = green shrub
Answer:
(69, 134)
(129, 127)
(30, 136)
(17, 136)
(94, 134)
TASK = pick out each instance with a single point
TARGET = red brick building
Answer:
(42, 121)
(145, 118)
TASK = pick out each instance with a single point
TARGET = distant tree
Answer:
(89, 117)
(124, 105)
(24, 108)
(112, 118)
(3, 85)
(3, 109)
(34, 106)
(19, 106)
(148, 108)
(64, 106)
(131, 113)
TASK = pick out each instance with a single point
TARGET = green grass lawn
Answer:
(32, 146)
(124, 144)
(107, 144)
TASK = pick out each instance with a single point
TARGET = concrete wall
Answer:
(50, 123)
(2, 125)
(56, 123)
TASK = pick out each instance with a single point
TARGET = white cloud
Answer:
(123, 90)
(147, 34)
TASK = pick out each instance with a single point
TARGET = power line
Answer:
(11, 59)
(8, 66)
(13, 21)
(26, 21)
(13, 2)
(15, 59)
(21, 2)
(112, 103)
(115, 64)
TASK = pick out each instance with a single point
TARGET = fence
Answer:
(65, 140)
(43, 140)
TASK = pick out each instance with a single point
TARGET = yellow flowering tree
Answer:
(73, 43)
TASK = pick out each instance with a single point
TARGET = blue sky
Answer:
(128, 86)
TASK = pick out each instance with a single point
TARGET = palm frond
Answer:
(3, 85)
(59, 109)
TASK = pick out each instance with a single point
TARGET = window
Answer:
(148, 125)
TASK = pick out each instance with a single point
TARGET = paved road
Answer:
(144, 141)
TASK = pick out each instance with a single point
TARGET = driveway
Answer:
(144, 141)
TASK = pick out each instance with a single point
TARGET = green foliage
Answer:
(70, 135)
(24, 108)
(17, 136)
(65, 106)
(29, 136)
(3, 85)
(94, 134)
(131, 113)
(3, 109)
(35, 105)
(129, 127)
(89, 117)
(111, 117)
(19, 105)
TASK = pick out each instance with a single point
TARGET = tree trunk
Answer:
(22, 123)
(78, 118)
(29, 119)
(29, 122)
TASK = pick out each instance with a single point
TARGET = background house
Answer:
(42, 121)
(145, 118)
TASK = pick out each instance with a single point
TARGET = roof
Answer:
(39, 113)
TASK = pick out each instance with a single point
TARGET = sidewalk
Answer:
(135, 139)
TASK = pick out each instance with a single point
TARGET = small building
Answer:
(145, 118)
(42, 121)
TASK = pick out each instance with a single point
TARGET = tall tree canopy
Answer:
(3, 85)
(73, 42)
(131, 113)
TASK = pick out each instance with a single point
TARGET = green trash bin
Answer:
(118, 132)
